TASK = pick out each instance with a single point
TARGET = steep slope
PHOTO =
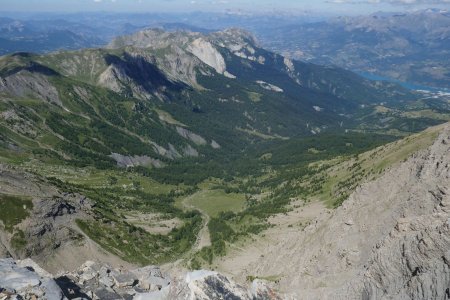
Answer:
(389, 240)
(168, 95)
(39, 221)
(237, 50)
(307, 88)
(212, 118)
(43, 110)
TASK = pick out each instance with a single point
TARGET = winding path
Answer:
(203, 238)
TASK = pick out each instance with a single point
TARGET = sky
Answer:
(351, 6)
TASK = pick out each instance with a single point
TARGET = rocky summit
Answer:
(24, 279)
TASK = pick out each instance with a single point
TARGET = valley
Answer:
(205, 151)
(408, 47)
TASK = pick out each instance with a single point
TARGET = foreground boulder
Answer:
(26, 280)
(204, 285)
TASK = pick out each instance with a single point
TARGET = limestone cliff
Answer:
(389, 240)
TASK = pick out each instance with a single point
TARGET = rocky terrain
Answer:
(26, 280)
(389, 240)
(48, 232)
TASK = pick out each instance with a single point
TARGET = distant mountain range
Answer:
(165, 95)
(44, 36)
(410, 47)
(45, 32)
(407, 47)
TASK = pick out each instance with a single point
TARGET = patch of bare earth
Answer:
(241, 258)
(153, 223)
(70, 256)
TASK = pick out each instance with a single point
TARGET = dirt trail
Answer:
(203, 238)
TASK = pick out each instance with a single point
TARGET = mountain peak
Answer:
(205, 47)
(155, 38)
(158, 38)
(236, 35)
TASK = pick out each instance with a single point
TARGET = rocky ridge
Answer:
(189, 50)
(389, 240)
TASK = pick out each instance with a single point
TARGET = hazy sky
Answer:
(219, 5)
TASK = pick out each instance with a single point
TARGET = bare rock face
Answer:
(124, 161)
(413, 261)
(26, 78)
(175, 61)
(183, 53)
(3, 251)
(25, 83)
(389, 240)
(134, 75)
(18, 123)
(205, 285)
(190, 151)
(239, 41)
(193, 137)
(208, 54)
(50, 224)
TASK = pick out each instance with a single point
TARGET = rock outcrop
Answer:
(125, 161)
(188, 51)
(49, 227)
(25, 279)
(193, 137)
(206, 52)
(205, 285)
(413, 261)
(30, 79)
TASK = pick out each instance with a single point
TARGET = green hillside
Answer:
(163, 134)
